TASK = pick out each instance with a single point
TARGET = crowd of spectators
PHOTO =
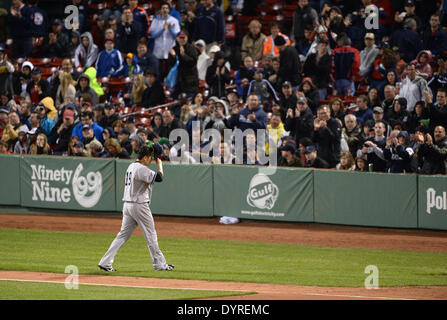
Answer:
(328, 92)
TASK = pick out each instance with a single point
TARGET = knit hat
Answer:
(280, 41)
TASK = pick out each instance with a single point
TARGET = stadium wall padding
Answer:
(95, 186)
(371, 199)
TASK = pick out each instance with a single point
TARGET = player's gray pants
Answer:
(136, 214)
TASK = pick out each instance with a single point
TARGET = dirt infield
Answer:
(209, 228)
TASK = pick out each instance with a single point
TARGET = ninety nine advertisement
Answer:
(244, 192)
(67, 183)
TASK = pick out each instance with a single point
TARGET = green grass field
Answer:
(52, 251)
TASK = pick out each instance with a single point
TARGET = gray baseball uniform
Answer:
(136, 211)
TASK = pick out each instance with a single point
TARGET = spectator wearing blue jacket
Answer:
(110, 61)
(407, 40)
(363, 113)
(87, 118)
(251, 117)
(210, 23)
(20, 29)
(399, 153)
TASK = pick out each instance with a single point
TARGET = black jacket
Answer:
(434, 157)
(328, 141)
(188, 75)
(128, 36)
(289, 66)
(153, 96)
(319, 71)
(302, 126)
(217, 83)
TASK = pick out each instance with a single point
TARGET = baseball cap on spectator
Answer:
(182, 34)
(86, 126)
(370, 35)
(383, 45)
(422, 129)
(109, 106)
(125, 131)
(87, 103)
(101, 17)
(378, 110)
(130, 120)
(310, 149)
(214, 48)
(68, 114)
(280, 41)
(99, 107)
(129, 55)
(112, 17)
(23, 129)
(369, 123)
(200, 43)
(259, 70)
(288, 147)
(287, 84)
(301, 100)
(109, 39)
(307, 79)
(78, 144)
(409, 3)
(213, 98)
(4, 110)
(36, 70)
(58, 22)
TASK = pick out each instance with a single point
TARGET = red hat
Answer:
(182, 34)
(68, 113)
(307, 80)
(109, 39)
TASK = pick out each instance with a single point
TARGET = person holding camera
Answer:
(372, 149)
(299, 120)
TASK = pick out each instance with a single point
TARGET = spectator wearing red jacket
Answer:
(345, 66)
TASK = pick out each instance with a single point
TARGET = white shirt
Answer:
(166, 40)
(138, 183)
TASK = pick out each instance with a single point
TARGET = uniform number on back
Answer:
(128, 179)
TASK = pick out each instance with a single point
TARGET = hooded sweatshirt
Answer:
(400, 156)
(94, 84)
(86, 56)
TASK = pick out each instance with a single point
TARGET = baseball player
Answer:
(137, 196)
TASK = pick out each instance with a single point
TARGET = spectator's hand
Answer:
(191, 16)
(419, 137)
(182, 51)
(290, 113)
(244, 82)
(395, 141)
(235, 110)
(388, 142)
(297, 113)
(272, 78)
(217, 71)
(429, 139)
(222, 70)
(397, 17)
(166, 26)
(220, 114)
(323, 124)
(364, 149)
(428, 97)
(252, 117)
(316, 124)
(299, 94)
(172, 52)
(370, 144)
(347, 21)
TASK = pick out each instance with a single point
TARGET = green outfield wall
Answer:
(85, 185)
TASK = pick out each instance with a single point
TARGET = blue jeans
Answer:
(343, 85)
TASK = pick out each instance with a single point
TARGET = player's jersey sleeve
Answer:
(145, 174)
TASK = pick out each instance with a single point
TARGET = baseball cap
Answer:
(79, 144)
(287, 84)
(310, 149)
(200, 43)
(125, 131)
(109, 39)
(129, 55)
(288, 147)
(259, 70)
(182, 34)
(307, 79)
(383, 45)
(279, 41)
(109, 106)
(130, 120)
(36, 70)
(301, 100)
(58, 21)
(378, 110)
(99, 107)
(370, 35)
(69, 114)
(86, 126)
(409, 3)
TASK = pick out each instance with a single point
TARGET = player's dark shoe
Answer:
(108, 269)
(168, 267)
